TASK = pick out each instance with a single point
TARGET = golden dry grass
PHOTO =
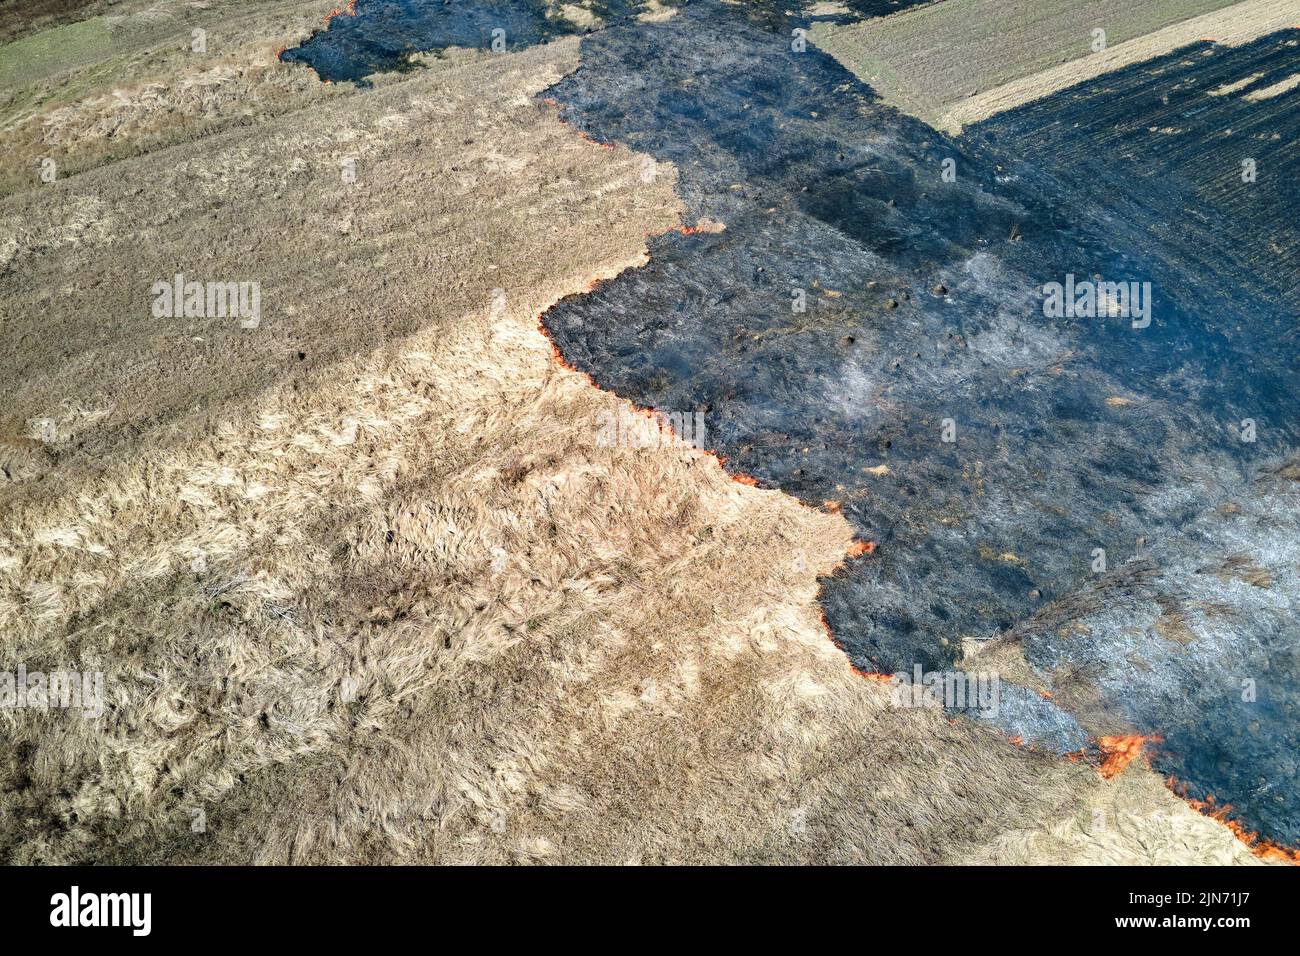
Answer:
(362, 583)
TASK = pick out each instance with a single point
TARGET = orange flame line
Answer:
(1117, 752)
(1120, 751)
(588, 138)
(349, 11)
(1263, 848)
(698, 229)
(869, 675)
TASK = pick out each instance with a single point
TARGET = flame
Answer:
(858, 548)
(703, 227)
(1262, 847)
(349, 11)
(1120, 751)
(832, 506)
(594, 142)
(871, 676)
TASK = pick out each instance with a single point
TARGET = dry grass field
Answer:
(361, 582)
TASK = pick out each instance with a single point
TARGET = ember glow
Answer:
(877, 678)
(1120, 751)
(1111, 755)
(1222, 812)
(347, 11)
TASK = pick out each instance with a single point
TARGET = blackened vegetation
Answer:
(922, 321)
(1196, 640)
(1159, 151)
(1207, 650)
(924, 311)
(383, 34)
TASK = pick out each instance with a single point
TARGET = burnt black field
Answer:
(924, 322)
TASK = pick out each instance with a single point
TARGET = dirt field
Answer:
(956, 62)
(362, 585)
(19, 17)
